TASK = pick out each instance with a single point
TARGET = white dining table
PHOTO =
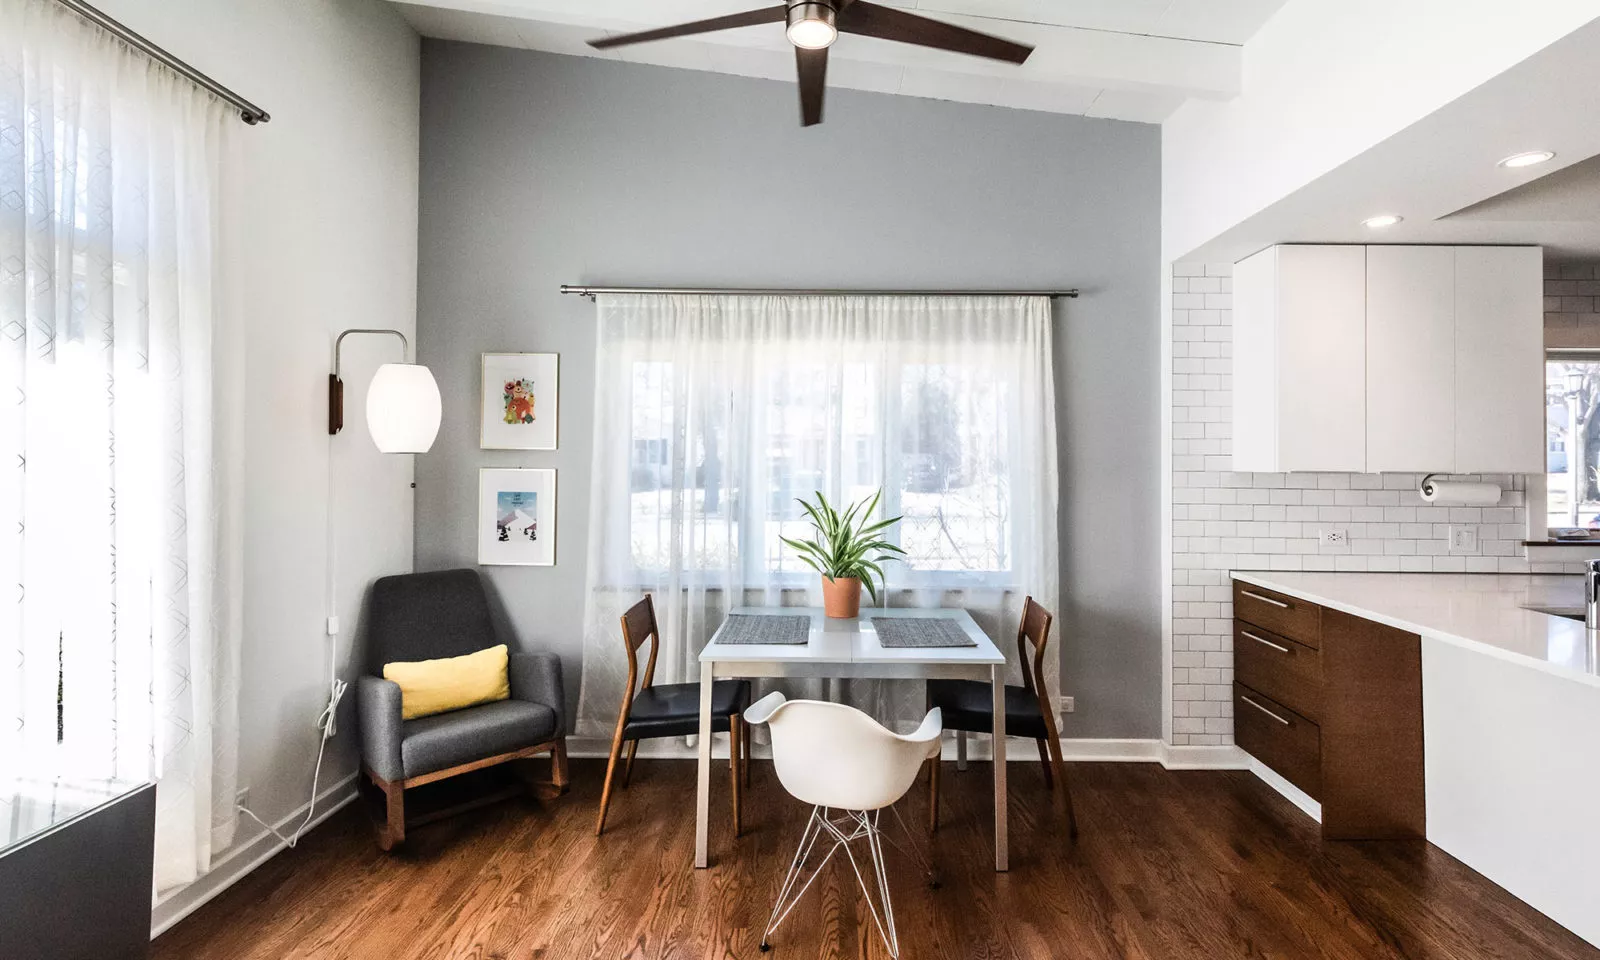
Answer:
(849, 649)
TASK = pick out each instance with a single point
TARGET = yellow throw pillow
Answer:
(428, 687)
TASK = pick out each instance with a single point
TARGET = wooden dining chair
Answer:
(968, 706)
(670, 710)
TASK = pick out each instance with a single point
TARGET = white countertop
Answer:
(1486, 612)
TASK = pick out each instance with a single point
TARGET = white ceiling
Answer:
(1441, 172)
(1124, 59)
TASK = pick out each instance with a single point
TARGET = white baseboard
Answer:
(240, 859)
(1017, 751)
(1227, 757)
(1290, 792)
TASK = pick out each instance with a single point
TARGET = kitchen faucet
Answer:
(1591, 595)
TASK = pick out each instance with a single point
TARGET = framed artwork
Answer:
(517, 516)
(520, 396)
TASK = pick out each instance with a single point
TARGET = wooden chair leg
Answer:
(394, 827)
(627, 768)
(1060, 766)
(961, 750)
(744, 754)
(1053, 741)
(611, 769)
(933, 793)
(558, 767)
(735, 735)
(1046, 761)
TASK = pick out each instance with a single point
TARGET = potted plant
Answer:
(846, 551)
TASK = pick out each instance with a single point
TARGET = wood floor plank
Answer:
(1169, 865)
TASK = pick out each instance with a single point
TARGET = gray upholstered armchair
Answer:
(428, 616)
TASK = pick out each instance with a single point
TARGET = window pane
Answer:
(1572, 433)
(677, 467)
(953, 492)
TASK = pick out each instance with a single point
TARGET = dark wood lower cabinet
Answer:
(1332, 703)
(1279, 738)
(1372, 770)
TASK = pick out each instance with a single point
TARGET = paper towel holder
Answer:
(1425, 488)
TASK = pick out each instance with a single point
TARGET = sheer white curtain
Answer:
(713, 413)
(118, 487)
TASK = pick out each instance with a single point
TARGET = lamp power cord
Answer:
(328, 719)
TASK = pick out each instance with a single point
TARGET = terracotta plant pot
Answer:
(841, 598)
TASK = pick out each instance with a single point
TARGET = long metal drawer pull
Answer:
(1257, 596)
(1264, 710)
(1264, 643)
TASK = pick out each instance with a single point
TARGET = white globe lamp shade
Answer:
(403, 408)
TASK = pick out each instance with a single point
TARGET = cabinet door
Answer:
(1499, 360)
(1322, 358)
(1411, 384)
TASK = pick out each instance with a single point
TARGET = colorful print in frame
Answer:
(520, 398)
(516, 516)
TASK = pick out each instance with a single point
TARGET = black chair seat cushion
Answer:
(447, 740)
(673, 709)
(969, 705)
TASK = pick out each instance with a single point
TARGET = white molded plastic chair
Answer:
(837, 758)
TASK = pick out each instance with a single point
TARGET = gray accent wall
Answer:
(539, 170)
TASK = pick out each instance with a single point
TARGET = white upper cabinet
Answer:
(1411, 336)
(1299, 367)
(1372, 359)
(1499, 360)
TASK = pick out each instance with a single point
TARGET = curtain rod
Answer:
(590, 292)
(248, 112)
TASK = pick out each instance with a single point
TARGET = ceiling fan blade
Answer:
(812, 67)
(885, 23)
(748, 18)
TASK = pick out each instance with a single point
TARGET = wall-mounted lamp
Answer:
(402, 402)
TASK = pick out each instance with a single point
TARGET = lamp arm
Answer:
(336, 386)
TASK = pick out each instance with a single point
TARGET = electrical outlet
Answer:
(333, 626)
(242, 799)
(1067, 705)
(1333, 537)
(1463, 539)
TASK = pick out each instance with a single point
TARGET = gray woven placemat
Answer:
(921, 632)
(742, 628)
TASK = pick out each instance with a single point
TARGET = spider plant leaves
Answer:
(846, 545)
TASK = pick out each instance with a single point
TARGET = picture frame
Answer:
(521, 400)
(516, 516)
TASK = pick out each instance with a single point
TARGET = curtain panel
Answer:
(119, 506)
(713, 414)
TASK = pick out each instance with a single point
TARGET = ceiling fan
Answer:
(813, 25)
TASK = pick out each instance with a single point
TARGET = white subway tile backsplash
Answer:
(1224, 519)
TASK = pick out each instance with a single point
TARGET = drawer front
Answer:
(1279, 738)
(1280, 613)
(1285, 670)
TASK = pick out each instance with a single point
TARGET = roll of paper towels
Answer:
(1470, 494)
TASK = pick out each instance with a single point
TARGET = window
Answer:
(933, 435)
(1572, 433)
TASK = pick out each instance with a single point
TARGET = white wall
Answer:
(1324, 80)
(322, 235)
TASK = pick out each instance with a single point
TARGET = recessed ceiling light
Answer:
(1526, 159)
(1381, 221)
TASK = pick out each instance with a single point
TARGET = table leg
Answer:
(702, 799)
(1002, 860)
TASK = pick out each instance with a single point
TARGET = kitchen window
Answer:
(1572, 438)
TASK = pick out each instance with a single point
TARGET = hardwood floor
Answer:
(1169, 864)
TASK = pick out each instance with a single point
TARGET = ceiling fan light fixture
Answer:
(811, 25)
